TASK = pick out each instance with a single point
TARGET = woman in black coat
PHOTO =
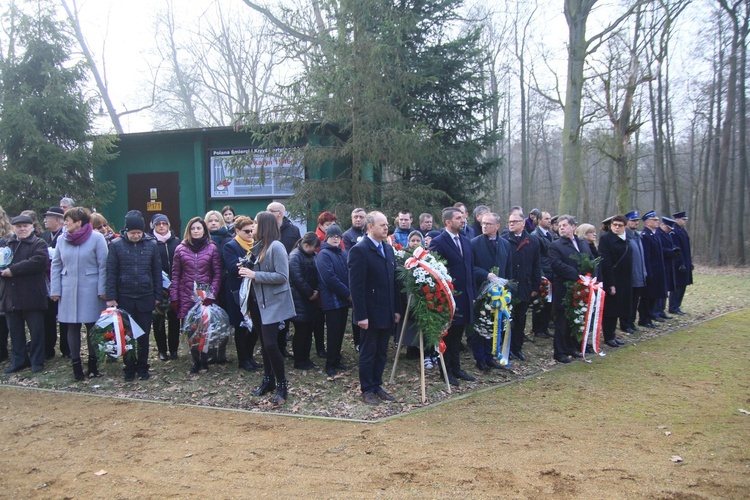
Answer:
(166, 324)
(245, 339)
(303, 277)
(617, 270)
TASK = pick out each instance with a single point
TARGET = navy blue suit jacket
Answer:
(565, 266)
(372, 284)
(489, 254)
(461, 269)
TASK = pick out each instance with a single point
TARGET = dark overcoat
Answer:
(653, 257)
(489, 254)
(565, 266)
(27, 289)
(617, 271)
(682, 240)
(527, 264)
(461, 269)
(372, 283)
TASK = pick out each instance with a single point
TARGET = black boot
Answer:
(196, 363)
(78, 370)
(93, 369)
(243, 355)
(281, 393)
(266, 385)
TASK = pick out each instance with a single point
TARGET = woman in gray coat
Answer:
(78, 282)
(274, 297)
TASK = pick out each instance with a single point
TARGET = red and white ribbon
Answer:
(594, 313)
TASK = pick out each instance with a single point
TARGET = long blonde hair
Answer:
(5, 228)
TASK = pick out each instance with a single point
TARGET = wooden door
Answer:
(156, 193)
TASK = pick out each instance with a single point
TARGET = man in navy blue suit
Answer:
(455, 249)
(372, 284)
(489, 251)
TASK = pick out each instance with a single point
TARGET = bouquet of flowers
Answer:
(243, 296)
(6, 257)
(584, 303)
(114, 335)
(163, 307)
(542, 297)
(426, 279)
(206, 327)
(492, 315)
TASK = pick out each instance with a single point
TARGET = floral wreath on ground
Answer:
(206, 326)
(425, 278)
(578, 295)
(541, 298)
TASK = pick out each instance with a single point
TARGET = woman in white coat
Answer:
(77, 280)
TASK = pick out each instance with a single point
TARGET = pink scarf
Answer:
(79, 236)
(164, 238)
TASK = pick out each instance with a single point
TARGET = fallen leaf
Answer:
(744, 411)
(100, 473)
(676, 458)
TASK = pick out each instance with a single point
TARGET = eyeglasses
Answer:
(618, 224)
(515, 221)
(161, 223)
(247, 231)
(489, 224)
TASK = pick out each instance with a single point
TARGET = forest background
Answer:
(588, 107)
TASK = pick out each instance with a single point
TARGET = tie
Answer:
(380, 249)
(458, 244)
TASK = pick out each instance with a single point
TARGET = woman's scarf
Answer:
(164, 238)
(219, 235)
(244, 244)
(196, 245)
(79, 236)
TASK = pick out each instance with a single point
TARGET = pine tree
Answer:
(45, 121)
(399, 101)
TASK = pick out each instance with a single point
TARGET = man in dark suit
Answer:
(527, 273)
(372, 284)
(656, 280)
(540, 316)
(684, 276)
(562, 255)
(639, 272)
(489, 251)
(455, 248)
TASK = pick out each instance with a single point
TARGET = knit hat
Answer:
(134, 222)
(55, 212)
(159, 218)
(333, 230)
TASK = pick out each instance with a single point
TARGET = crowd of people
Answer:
(60, 279)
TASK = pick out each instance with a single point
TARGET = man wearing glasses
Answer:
(527, 273)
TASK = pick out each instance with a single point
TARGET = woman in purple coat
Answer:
(196, 260)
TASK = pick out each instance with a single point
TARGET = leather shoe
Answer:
(659, 320)
(452, 380)
(619, 342)
(665, 316)
(612, 343)
(286, 353)
(648, 325)
(563, 359)
(322, 353)
(463, 376)
(384, 395)
(529, 339)
(14, 369)
(680, 312)
(544, 335)
(341, 366)
(330, 372)
(482, 366)
(518, 355)
(577, 354)
(630, 331)
(370, 398)
(493, 363)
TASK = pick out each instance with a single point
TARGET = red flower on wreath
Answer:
(430, 305)
(426, 289)
(440, 309)
(429, 296)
